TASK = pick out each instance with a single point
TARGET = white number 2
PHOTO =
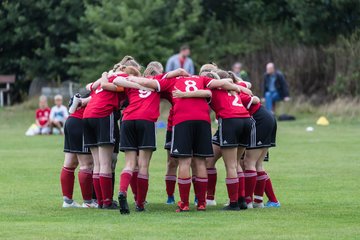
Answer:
(236, 100)
(190, 84)
(144, 93)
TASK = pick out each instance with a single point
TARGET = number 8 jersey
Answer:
(187, 109)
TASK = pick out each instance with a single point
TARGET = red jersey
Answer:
(247, 101)
(187, 109)
(43, 115)
(78, 113)
(102, 102)
(143, 105)
(226, 105)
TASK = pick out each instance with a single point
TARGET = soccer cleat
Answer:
(124, 207)
(93, 204)
(182, 207)
(227, 203)
(170, 200)
(272, 204)
(139, 209)
(201, 207)
(232, 207)
(250, 205)
(195, 201)
(111, 206)
(258, 205)
(71, 205)
(242, 203)
(210, 202)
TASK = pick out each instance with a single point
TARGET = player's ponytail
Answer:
(235, 78)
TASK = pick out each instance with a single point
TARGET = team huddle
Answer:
(93, 138)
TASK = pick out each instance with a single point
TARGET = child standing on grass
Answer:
(58, 114)
(42, 120)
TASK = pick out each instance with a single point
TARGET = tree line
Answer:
(315, 43)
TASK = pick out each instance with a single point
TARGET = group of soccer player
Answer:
(246, 131)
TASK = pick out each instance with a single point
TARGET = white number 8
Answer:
(190, 84)
(144, 93)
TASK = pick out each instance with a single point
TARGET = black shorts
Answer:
(136, 135)
(233, 132)
(168, 140)
(191, 139)
(99, 131)
(74, 136)
(263, 133)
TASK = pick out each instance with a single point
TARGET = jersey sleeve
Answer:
(207, 81)
(165, 84)
(246, 100)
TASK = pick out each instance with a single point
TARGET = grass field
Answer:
(315, 176)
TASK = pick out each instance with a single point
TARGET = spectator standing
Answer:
(58, 114)
(181, 60)
(275, 87)
(42, 119)
(239, 72)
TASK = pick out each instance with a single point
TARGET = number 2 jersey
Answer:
(102, 102)
(187, 109)
(226, 105)
(143, 105)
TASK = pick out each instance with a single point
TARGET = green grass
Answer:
(315, 176)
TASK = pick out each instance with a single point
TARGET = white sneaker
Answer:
(250, 205)
(210, 202)
(227, 203)
(258, 205)
(93, 204)
(71, 205)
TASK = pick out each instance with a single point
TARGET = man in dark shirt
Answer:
(275, 87)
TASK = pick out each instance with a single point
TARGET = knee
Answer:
(172, 164)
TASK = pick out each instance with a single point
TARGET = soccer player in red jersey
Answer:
(191, 132)
(76, 154)
(263, 136)
(42, 116)
(233, 135)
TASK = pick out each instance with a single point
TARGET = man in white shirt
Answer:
(58, 114)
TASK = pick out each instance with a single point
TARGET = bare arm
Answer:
(193, 94)
(224, 84)
(176, 73)
(123, 82)
(145, 82)
(255, 100)
(93, 86)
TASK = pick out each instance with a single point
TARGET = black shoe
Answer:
(111, 206)
(124, 207)
(139, 209)
(233, 206)
(242, 203)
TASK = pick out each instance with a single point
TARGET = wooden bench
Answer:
(6, 80)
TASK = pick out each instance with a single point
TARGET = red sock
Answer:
(211, 187)
(241, 191)
(125, 179)
(67, 179)
(184, 189)
(201, 187)
(106, 187)
(86, 185)
(134, 183)
(260, 186)
(170, 181)
(193, 180)
(250, 182)
(269, 191)
(232, 185)
(142, 189)
(97, 188)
